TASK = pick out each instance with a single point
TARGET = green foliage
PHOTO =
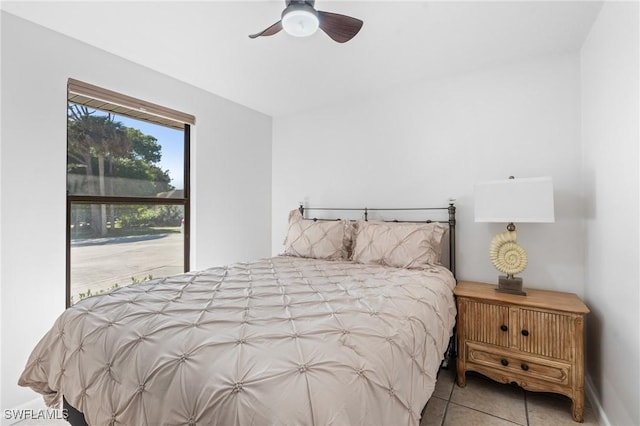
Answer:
(128, 158)
(134, 280)
(147, 216)
(144, 147)
(90, 294)
(136, 177)
(90, 135)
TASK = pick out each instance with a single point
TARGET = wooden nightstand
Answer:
(535, 341)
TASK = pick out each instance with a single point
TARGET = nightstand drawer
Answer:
(514, 363)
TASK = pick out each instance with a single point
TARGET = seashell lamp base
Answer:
(511, 285)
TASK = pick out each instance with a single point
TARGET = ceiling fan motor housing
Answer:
(309, 2)
(293, 6)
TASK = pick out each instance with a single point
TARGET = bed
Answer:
(348, 326)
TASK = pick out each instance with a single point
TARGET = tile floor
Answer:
(482, 402)
(485, 402)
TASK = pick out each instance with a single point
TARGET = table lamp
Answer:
(526, 200)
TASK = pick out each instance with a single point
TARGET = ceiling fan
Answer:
(300, 19)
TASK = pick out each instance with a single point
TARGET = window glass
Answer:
(127, 186)
(144, 242)
(114, 155)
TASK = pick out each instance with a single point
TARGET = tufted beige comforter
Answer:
(282, 340)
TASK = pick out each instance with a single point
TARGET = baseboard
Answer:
(592, 396)
(13, 415)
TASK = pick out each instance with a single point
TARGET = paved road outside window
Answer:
(98, 264)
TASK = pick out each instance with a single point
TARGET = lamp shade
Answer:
(515, 200)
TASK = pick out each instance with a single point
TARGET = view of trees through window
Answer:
(126, 198)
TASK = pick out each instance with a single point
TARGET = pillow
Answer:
(403, 245)
(329, 240)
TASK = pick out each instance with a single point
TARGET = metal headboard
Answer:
(451, 209)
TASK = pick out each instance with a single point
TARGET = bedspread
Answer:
(282, 340)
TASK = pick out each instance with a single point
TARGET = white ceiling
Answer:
(206, 44)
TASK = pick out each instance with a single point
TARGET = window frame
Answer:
(72, 200)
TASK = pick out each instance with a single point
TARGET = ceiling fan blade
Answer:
(274, 29)
(340, 28)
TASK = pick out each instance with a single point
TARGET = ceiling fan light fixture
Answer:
(300, 20)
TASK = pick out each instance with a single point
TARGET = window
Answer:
(127, 191)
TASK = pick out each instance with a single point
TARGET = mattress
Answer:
(282, 340)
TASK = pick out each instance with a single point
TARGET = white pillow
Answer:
(329, 240)
(403, 245)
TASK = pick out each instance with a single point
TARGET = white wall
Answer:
(610, 72)
(231, 171)
(431, 140)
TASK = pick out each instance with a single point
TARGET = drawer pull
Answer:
(504, 362)
(525, 333)
(504, 327)
(524, 366)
